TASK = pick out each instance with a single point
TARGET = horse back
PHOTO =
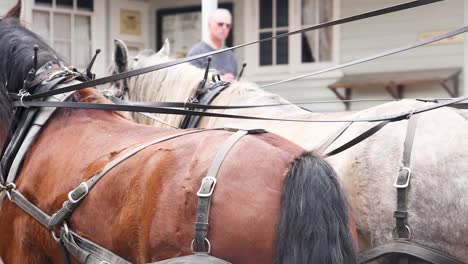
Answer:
(144, 208)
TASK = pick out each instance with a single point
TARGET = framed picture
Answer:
(182, 27)
(130, 22)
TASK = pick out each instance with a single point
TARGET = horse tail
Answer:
(313, 225)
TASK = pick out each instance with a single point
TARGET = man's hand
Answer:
(228, 76)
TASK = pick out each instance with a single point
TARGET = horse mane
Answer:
(16, 53)
(178, 83)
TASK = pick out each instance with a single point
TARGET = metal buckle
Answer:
(404, 185)
(395, 234)
(201, 252)
(22, 93)
(7, 188)
(82, 196)
(211, 178)
(58, 238)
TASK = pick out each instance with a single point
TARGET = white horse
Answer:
(438, 193)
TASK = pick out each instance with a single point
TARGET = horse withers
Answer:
(273, 201)
(437, 201)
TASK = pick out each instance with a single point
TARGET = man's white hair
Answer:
(220, 11)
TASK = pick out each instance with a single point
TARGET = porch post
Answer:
(208, 6)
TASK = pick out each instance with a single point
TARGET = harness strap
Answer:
(88, 252)
(124, 75)
(402, 183)
(75, 196)
(205, 97)
(358, 139)
(410, 248)
(200, 243)
(22, 202)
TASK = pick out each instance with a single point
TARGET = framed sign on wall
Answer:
(182, 27)
(130, 22)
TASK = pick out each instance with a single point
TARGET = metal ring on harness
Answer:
(208, 251)
(65, 227)
(7, 187)
(107, 93)
(22, 94)
(410, 234)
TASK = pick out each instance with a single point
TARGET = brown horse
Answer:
(274, 202)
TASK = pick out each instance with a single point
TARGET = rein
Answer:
(125, 75)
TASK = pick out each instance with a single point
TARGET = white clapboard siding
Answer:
(375, 35)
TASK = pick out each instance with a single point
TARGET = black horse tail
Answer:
(313, 225)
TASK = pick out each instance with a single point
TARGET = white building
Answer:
(77, 27)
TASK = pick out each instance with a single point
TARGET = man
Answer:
(219, 26)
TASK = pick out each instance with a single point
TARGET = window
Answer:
(66, 26)
(275, 17)
(274, 21)
(316, 46)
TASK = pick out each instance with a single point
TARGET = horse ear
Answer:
(166, 49)
(15, 11)
(120, 55)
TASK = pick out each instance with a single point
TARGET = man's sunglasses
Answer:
(221, 24)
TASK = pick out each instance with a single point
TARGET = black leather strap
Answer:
(409, 248)
(204, 98)
(201, 243)
(159, 110)
(327, 143)
(357, 139)
(402, 182)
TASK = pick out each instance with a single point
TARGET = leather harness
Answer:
(402, 244)
(204, 96)
(83, 250)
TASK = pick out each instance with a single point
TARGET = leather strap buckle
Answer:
(208, 249)
(78, 193)
(400, 181)
(207, 186)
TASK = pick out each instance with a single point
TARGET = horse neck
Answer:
(174, 84)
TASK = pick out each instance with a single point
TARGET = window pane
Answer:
(307, 42)
(65, 3)
(317, 46)
(63, 48)
(309, 12)
(82, 49)
(266, 13)
(41, 24)
(62, 27)
(47, 2)
(282, 13)
(86, 4)
(282, 51)
(325, 35)
(266, 50)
